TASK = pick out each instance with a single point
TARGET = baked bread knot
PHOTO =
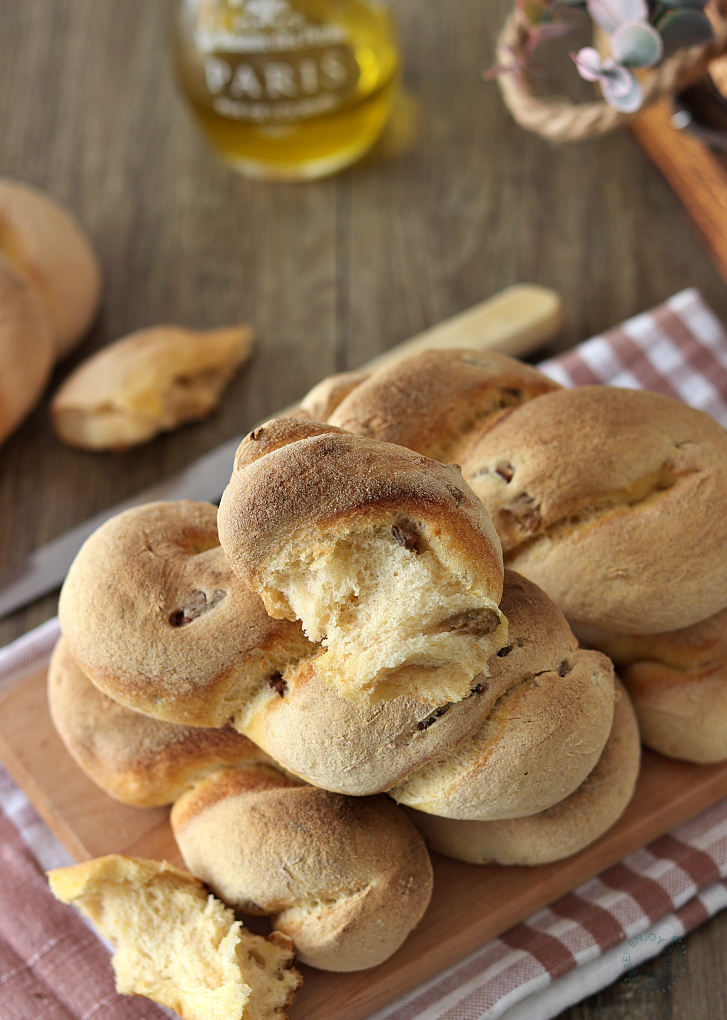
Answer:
(561, 830)
(604, 498)
(386, 557)
(437, 402)
(132, 757)
(544, 734)
(149, 382)
(320, 402)
(347, 879)
(347, 747)
(176, 944)
(27, 346)
(49, 250)
(154, 616)
(678, 684)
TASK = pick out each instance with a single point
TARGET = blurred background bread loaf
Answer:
(50, 287)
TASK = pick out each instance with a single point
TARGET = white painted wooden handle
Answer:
(515, 322)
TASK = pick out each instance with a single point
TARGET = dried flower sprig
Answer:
(639, 33)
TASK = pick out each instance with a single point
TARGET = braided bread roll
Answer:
(678, 684)
(604, 497)
(133, 758)
(543, 736)
(155, 617)
(560, 830)
(436, 402)
(601, 496)
(49, 249)
(320, 402)
(386, 557)
(27, 347)
(346, 879)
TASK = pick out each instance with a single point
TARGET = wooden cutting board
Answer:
(470, 905)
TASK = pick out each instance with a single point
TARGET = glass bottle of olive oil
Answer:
(287, 89)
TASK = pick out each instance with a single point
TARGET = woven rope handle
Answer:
(560, 119)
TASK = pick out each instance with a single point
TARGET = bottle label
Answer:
(274, 65)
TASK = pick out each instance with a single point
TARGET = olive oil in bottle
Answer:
(287, 89)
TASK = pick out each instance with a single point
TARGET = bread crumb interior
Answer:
(392, 617)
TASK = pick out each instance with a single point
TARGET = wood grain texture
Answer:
(485, 900)
(330, 273)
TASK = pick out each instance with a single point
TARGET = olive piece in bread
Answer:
(156, 618)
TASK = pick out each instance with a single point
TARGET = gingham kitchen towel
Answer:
(53, 968)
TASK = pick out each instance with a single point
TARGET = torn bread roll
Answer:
(346, 879)
(561, 830)
(149, 382)
(156, 618)
(176, 944)
(613, 501)
(308, 729)
(27, 347)
(47, 247)
(544, 734)
(678, 684)
(435, 402)
(386, 557)
(236, 807)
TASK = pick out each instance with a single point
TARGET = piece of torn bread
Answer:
(177, 944)
(386, 557)
(148, 382)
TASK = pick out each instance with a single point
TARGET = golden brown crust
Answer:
(27, 348)
(437, 401)
(318, 479)
(561, 830)
(345, 747)
(51, 251)
(386, 557)
(545, 732)
(320, 402)
(155, 617)
(346, 878)
(678, 683)
(136, 759)
(604, 497)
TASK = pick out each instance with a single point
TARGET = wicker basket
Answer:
(560, 119)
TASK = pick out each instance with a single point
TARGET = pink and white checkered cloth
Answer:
(51, 966)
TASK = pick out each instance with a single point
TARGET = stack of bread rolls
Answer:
(381, 605)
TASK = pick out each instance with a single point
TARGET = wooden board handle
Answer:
(515, 321)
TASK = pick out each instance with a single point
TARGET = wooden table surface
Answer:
(460, 203)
